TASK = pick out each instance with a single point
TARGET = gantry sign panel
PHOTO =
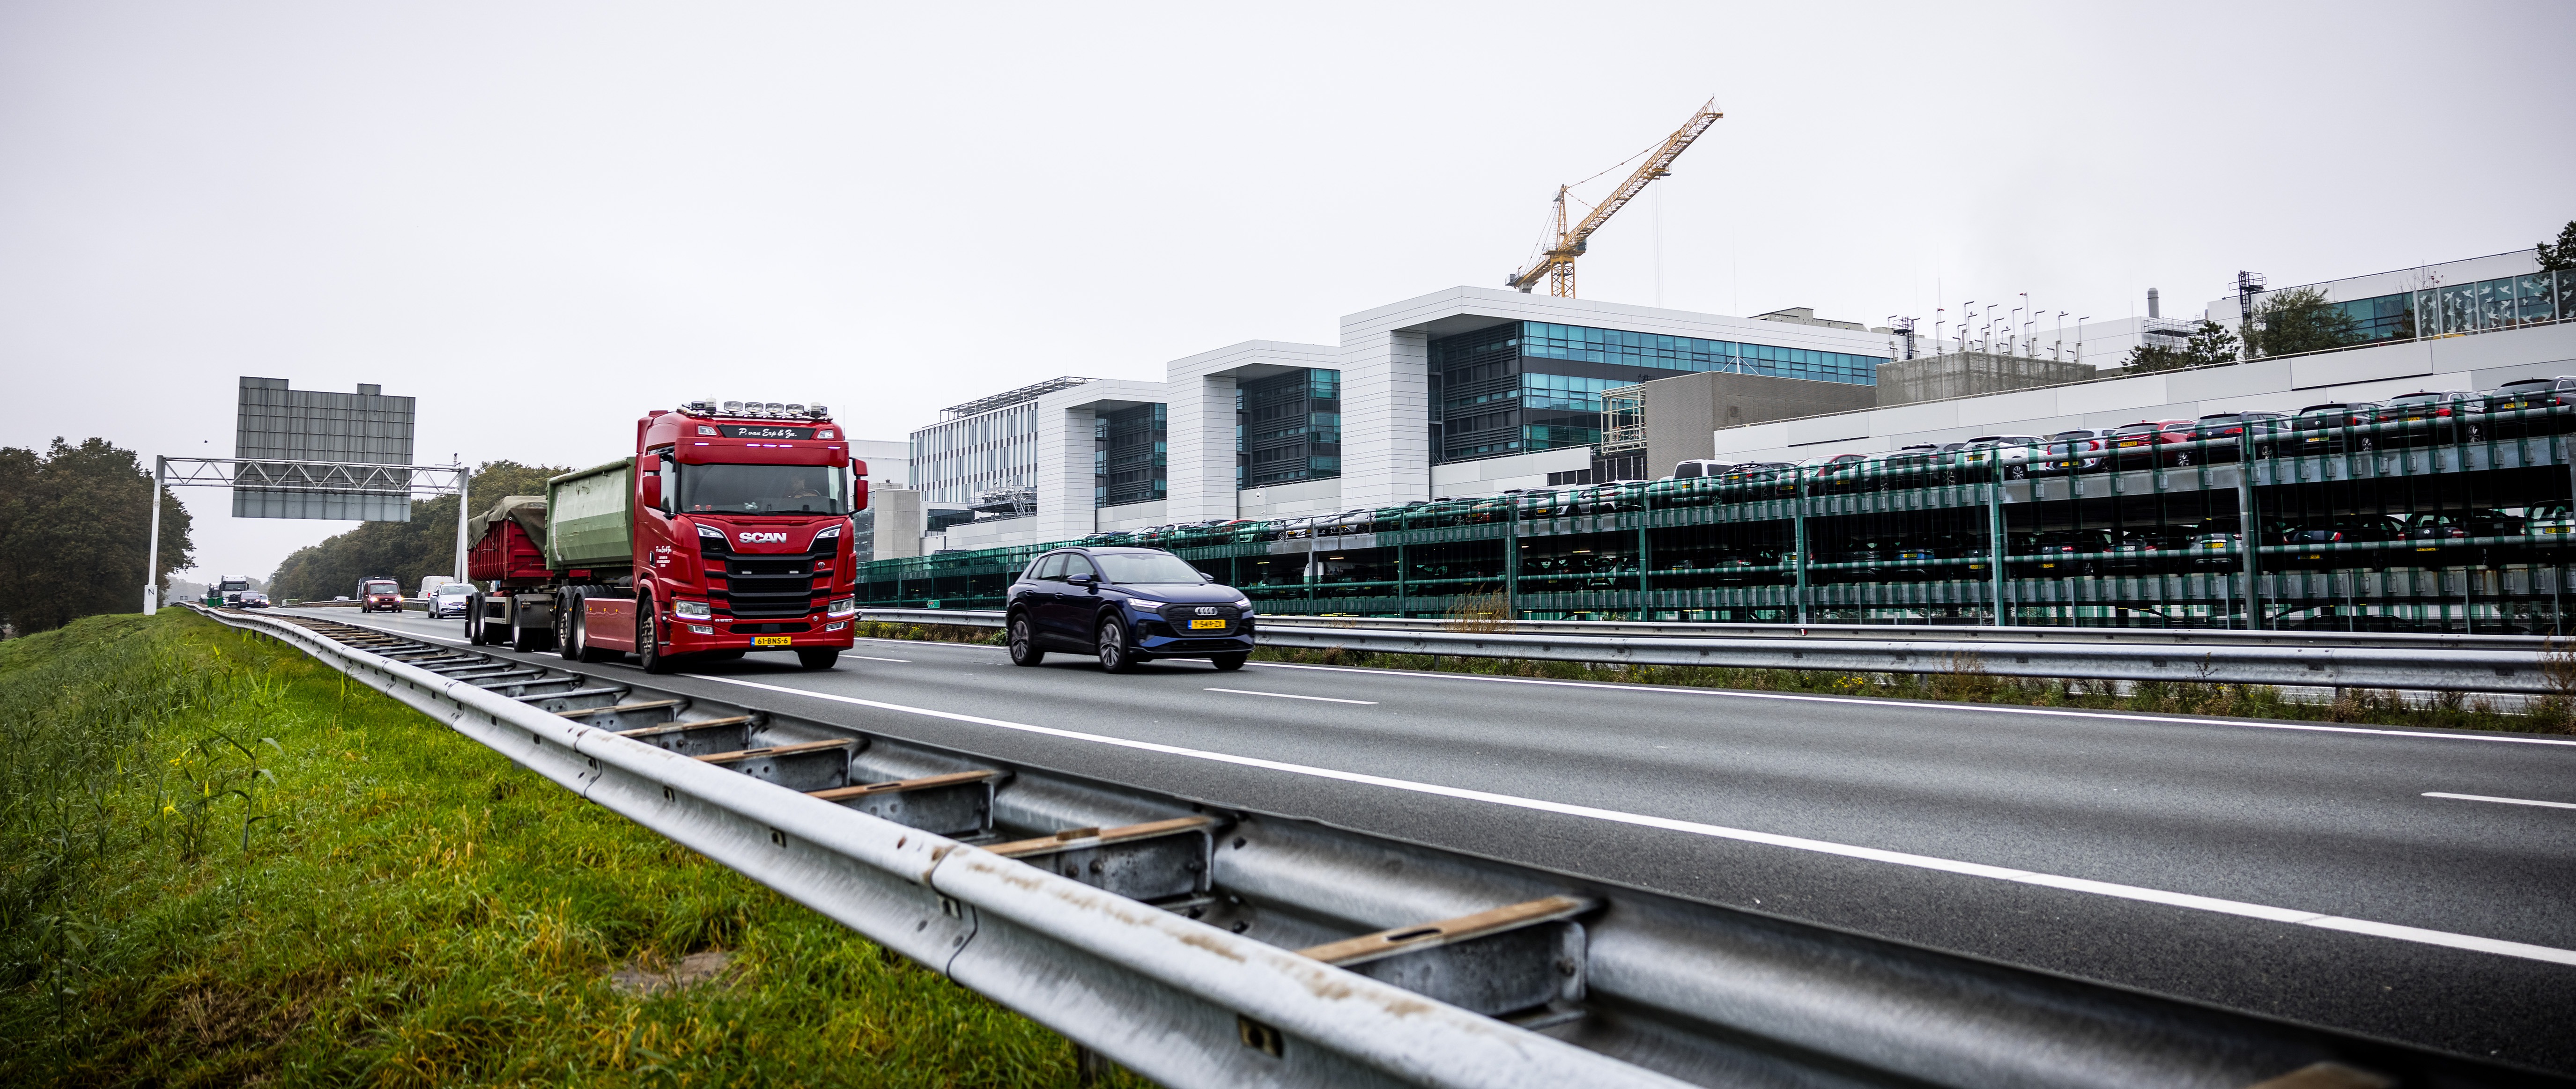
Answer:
(309, 425)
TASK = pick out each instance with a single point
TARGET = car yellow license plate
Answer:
(1201, 625)
(772, 640)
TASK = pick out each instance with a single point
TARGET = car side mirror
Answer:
(1078, 579)
(1205, 577)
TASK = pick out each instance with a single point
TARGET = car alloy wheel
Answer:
(1024, 649)
(1114, 655)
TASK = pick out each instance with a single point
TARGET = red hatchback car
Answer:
(2152, 442)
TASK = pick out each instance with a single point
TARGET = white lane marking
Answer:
(873, 658)
(1871, 854)
(2504, 801)
(2050, 712)
(1286, 696)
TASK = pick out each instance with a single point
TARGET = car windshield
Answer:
(1146, 567)
(763, 489)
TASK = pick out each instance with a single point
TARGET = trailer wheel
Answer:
(474, 621)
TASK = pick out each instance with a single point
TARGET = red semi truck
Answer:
(727, 532)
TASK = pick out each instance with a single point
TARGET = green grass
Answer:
(219, 865)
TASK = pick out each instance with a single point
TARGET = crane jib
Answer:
(1556, 263)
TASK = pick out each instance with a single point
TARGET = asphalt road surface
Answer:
(2412, 885)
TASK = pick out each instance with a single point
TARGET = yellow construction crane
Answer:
(1556, 264)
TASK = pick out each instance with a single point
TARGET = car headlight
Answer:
(848, 606)
(691, 610)
(1243, 603)
(1144, 605)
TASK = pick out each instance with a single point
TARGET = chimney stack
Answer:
(2154, 308)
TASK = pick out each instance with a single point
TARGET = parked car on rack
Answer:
(2008, 455)
(2150, 551)
(2229, 425)
(1914, 466)
(1920, 559)
(2213, 545)
(1126, 605)
(2328, 542)
(1748, 567)
(2065, 552)
(1696, 468)
(2550, 525)
(2436, 531)
(2152, 443)
(2328, 428)
(2073, 451)
(2521, 407)
(2433, 416)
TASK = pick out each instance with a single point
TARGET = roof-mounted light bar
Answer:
(757, 410)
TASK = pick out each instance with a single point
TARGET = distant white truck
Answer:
(429, 584)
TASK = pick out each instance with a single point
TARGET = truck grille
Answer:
(767, 585)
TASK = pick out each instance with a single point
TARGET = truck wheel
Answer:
(567, 626)
(818, 658)
(474, 621)
(522, 638)
(648, 638)
(1024, 647)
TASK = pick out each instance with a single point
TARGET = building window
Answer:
(1133, 459)
(1508, 389)
(1289, 427)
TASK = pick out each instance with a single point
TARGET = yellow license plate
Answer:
(1201, 625)
(772, 640)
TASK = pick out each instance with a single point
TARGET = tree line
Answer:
(74, 529)
(402, 551)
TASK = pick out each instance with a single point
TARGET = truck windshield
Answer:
(763, 489)
(1146, 567)
(378, 588)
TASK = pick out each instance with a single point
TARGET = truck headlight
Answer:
(848, 606)
(691, 610)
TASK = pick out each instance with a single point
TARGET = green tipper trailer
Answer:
(588, 520)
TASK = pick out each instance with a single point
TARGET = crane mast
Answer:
(1556, 264)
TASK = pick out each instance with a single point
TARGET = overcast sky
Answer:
(543, 219)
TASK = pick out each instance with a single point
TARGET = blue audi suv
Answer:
(1127, 605)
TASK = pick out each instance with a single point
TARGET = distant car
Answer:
(379, 595)
(340, 597)
(2232, 425)
(1129, 606)
(2517, 408)
(2329, 428)
(253, 599)
(2430, 416)
(450, 599)
(2317, 541)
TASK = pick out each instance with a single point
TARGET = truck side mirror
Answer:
(653, 491)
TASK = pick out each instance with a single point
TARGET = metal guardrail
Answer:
(1177, 1000)
(2439, 663)
(1640, 989)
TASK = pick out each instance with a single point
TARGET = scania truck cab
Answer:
(727, 532)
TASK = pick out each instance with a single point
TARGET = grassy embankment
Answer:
(220, 865)
(1964, 680)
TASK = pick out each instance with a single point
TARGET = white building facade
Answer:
(1459, 393)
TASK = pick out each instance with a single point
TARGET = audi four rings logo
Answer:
(763, 538)
(1207, 610)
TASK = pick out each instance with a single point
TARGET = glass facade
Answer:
(1128, 462)
(2506, 302)
(1511, 389)
(954, 461)
(1288, 427)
